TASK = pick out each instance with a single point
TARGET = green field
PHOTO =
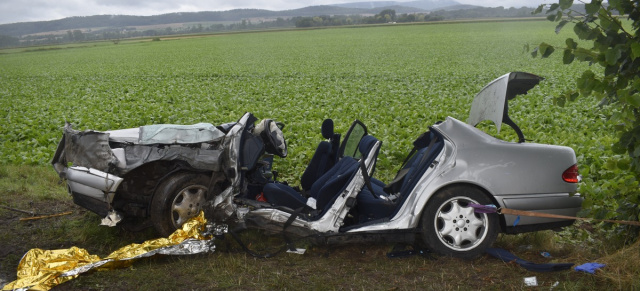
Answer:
(397, 79)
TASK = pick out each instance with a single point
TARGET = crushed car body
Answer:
(162, 175)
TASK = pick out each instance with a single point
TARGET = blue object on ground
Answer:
(590, 267)
(509, 257)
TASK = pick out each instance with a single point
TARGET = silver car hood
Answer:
(492, 101)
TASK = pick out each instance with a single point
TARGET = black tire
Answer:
(178, 198)
(465, 235)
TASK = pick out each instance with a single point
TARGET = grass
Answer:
(357, 267)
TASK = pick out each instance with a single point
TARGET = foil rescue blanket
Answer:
(43, 269)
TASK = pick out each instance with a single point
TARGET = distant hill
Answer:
(460, 7)
(438, 9)
(99, 21)
(420, 4)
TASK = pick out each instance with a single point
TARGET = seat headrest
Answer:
(327, 128)
(366, 144)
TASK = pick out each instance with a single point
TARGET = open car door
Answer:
(349, 146)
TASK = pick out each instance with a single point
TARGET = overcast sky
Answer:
(36, 10)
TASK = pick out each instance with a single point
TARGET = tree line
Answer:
(385, 16)
(116, 34)
(130, 31)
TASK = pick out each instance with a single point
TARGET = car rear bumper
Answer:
(560, 204)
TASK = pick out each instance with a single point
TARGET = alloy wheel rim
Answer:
(458, 226)
(187, 204)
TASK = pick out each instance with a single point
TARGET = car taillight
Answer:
(571, 175)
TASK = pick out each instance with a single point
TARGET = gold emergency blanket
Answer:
(43, 269)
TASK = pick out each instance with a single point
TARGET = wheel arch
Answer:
(192, 186)
(486, 192)
(140, 184)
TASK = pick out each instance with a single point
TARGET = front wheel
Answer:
(451, 227)
(178, 199)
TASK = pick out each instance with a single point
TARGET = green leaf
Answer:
(617, 5)
(618, 148)
(635, 50)
(565, 4)
(546, 50)
(572, 96)
(571, 44)
(582, 30)
(553, 7)
(592, 7)
(538, 10)
(534, 53)
(586, 82)
(606, 21)
(612, 55)
(584, 55)
(636, 151)
(636, 85)
(595, 34)
(552, 17)
(585, 171)
(560, 101)
(567, 57)
(634, 100)
(559, 16)
(623, 164)
(561, 25)
(601, 45)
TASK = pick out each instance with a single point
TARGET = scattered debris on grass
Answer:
(44, 269)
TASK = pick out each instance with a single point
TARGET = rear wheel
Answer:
(177, 199)
(451, 227)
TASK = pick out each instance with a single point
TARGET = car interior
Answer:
(332, 168)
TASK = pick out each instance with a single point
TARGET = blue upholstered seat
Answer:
(324, 189)
(371, 208)
(324, 157)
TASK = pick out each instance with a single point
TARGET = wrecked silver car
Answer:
(161, 175)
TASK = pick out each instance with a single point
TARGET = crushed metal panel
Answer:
(206, 159)
(129, 135)
(88, 149)
(179, 134)
(93, 183)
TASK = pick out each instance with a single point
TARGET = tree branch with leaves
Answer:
(612, 29)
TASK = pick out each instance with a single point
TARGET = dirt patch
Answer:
(345, 267)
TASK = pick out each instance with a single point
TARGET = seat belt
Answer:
(367, 179)
(391, 187)
(288, 243)
(417, 144)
